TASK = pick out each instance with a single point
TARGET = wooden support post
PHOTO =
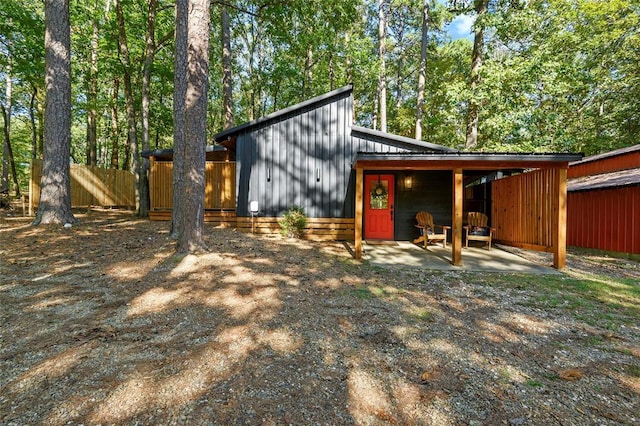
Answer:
(358, 212)
(560, 221)
(456, 237)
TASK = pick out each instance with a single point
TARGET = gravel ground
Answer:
(103, 324)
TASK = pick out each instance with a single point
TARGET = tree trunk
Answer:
(132, 135)
(476, 62)
(195, 117)
(55, 185)
(226, 69)
(422, 74)
(7, 140)
(92, 130)
(179, 99)
(149, 55)
(115, 128)
(382, 78)
(4, 185)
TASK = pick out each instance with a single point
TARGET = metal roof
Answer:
(219, 137)
(614, 153)
(167, 154)
(618, 179)
(468, 156)
(405, 142)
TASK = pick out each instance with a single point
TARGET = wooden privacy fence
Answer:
(220, 180)
(91, 186)
(523, 209)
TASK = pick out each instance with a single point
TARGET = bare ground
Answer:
(103, 324)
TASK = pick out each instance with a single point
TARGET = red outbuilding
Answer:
(603, 201)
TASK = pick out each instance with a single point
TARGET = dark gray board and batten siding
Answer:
(303, 157)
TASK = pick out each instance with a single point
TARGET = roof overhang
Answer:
(619, 179)
(167, 154)
(397, 140)
(463, 160)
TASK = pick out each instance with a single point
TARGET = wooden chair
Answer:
(478, 229)
(428, 230)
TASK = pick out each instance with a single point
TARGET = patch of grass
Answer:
(363, 293)
(421, 314)
(598, 300)
(534, 383)
(634, 370)
(372, 291)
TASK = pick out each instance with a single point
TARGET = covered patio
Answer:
(475, 259)
(528, 208)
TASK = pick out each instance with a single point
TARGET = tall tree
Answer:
(382, 77)
(55, 185)
(227, 90)
(473, 111)
(149, 54)
(92, 124)
(132, 132)
(192, 148)
(179, 99)
(6, 140)
(422, 72)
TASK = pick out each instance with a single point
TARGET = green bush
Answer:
(293, 222)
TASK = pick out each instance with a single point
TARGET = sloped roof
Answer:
(397, 140)
(234, 131)
(618, 179)
(613, 153)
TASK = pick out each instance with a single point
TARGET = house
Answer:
(356, 183)
(603, 202)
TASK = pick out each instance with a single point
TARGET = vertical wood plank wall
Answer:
(220, 178)
(605, 219)
(523, 212)
(91, 186)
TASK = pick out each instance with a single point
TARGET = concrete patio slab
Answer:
(436, 257)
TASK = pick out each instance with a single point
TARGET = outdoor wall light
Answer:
(408, 182)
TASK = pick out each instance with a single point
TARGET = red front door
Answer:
(378, 207)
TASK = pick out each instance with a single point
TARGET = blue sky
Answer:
(461, 27)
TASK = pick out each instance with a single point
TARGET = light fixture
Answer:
(408, 182)
(254, 208)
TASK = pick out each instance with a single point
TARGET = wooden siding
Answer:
(303, 158)
(629, 160)
(523, 211)
(91, 186)
(324, 229)
(606, 219)
(219, 187)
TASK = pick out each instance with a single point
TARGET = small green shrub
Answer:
(293, 222)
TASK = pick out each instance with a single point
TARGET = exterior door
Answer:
(378, 207)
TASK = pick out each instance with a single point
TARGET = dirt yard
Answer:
(103, 324)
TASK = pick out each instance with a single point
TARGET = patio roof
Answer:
(618, 179)
(472, 160)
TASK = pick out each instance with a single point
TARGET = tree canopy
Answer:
(556, 75)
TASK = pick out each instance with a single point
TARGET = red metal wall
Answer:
(605, 219)
(626, 161)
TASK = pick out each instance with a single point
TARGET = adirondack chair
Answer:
(478, 229)
(428, 230)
